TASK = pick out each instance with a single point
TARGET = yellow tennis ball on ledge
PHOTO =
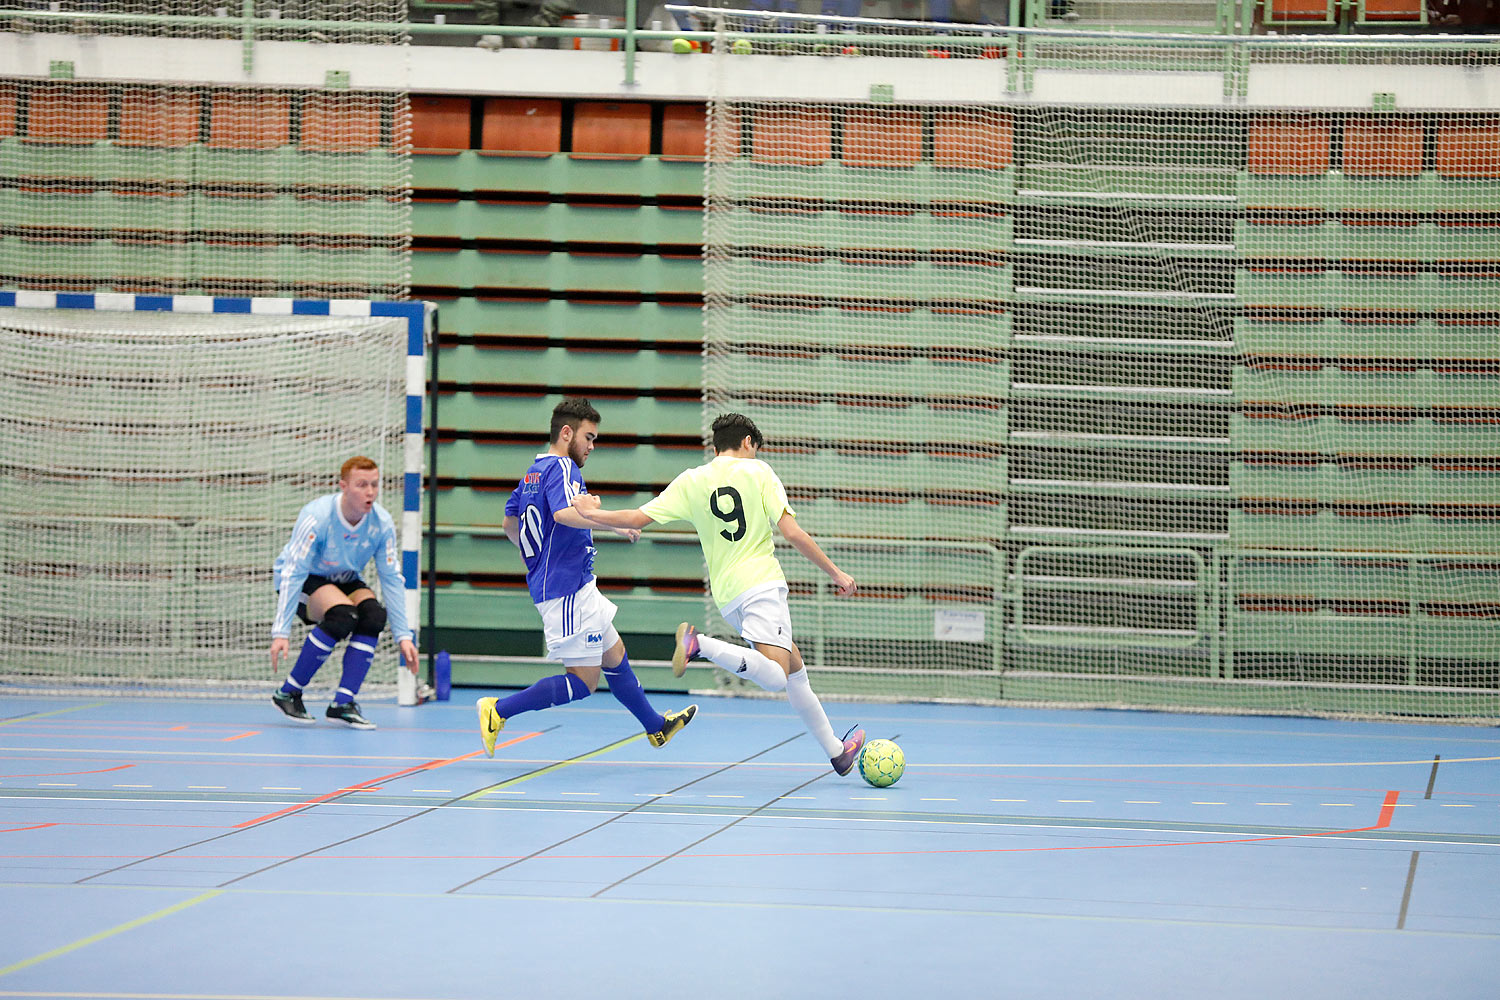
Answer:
(741, 47)
(681, 46)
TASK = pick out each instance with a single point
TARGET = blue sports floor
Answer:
(156, 848)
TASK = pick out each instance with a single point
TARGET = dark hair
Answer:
(732, 428)
(572, 412)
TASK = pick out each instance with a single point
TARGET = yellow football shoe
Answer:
(675, 721)
(490, 723)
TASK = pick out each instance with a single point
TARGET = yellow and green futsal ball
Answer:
(881, 763)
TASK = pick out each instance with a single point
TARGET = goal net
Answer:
(153, 464)
(1148, 371)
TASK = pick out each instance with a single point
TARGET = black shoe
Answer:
(348, 714)
(291, 704)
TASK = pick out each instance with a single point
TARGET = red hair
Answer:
(357, 462)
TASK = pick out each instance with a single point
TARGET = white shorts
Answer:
(761, 614)
(578, 628)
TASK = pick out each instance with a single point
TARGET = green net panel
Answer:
(178, 187)
(1114, 374)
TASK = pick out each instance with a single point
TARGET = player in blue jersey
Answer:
(317, 579)
(577, 621)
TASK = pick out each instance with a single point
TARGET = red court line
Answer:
(59, 774)
(231, 739)
(23, 829)
(431, 765)
(1387, 811)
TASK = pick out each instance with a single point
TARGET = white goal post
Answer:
(155, 451)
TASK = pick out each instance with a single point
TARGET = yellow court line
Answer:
(26, 963)
(554, 767)
(43, 715)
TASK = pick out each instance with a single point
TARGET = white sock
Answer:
(800, 693)
(744, 662)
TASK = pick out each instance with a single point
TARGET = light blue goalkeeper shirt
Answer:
(324, 544)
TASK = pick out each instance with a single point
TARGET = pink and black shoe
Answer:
(686, 649)
(854, 742)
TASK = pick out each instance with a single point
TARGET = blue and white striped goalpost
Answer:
(419, 318)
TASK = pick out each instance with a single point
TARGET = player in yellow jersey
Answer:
(732, 502)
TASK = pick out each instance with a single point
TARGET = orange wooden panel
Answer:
(683, 131)
(1469, 149)
(1300, 10)
(802, 136)
(1382, 148)
(1395, 10)
(614, 130)
(68, 113)
(1288, 145)
(522, 125)
(977, 140)
(439, 123)
(882, 137)
(340, 123)
(166, 119)
(249, 120)
(7, 109)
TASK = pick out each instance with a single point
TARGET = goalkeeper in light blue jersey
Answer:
(318, 580)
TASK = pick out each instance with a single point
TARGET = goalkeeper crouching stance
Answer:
(317, 579)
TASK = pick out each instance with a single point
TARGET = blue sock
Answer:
(559, 689)
(357, 657)
(627, 691)
(315, 650)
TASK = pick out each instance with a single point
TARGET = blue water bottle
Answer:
(442, 675)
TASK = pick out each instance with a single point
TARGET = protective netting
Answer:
(151, 466)
(180, 187)
(1176, 402)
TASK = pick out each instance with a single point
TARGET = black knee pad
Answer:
(371, 617)
(339, 622)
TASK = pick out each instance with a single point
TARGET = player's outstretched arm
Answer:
(804, 543)
(586, 505)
